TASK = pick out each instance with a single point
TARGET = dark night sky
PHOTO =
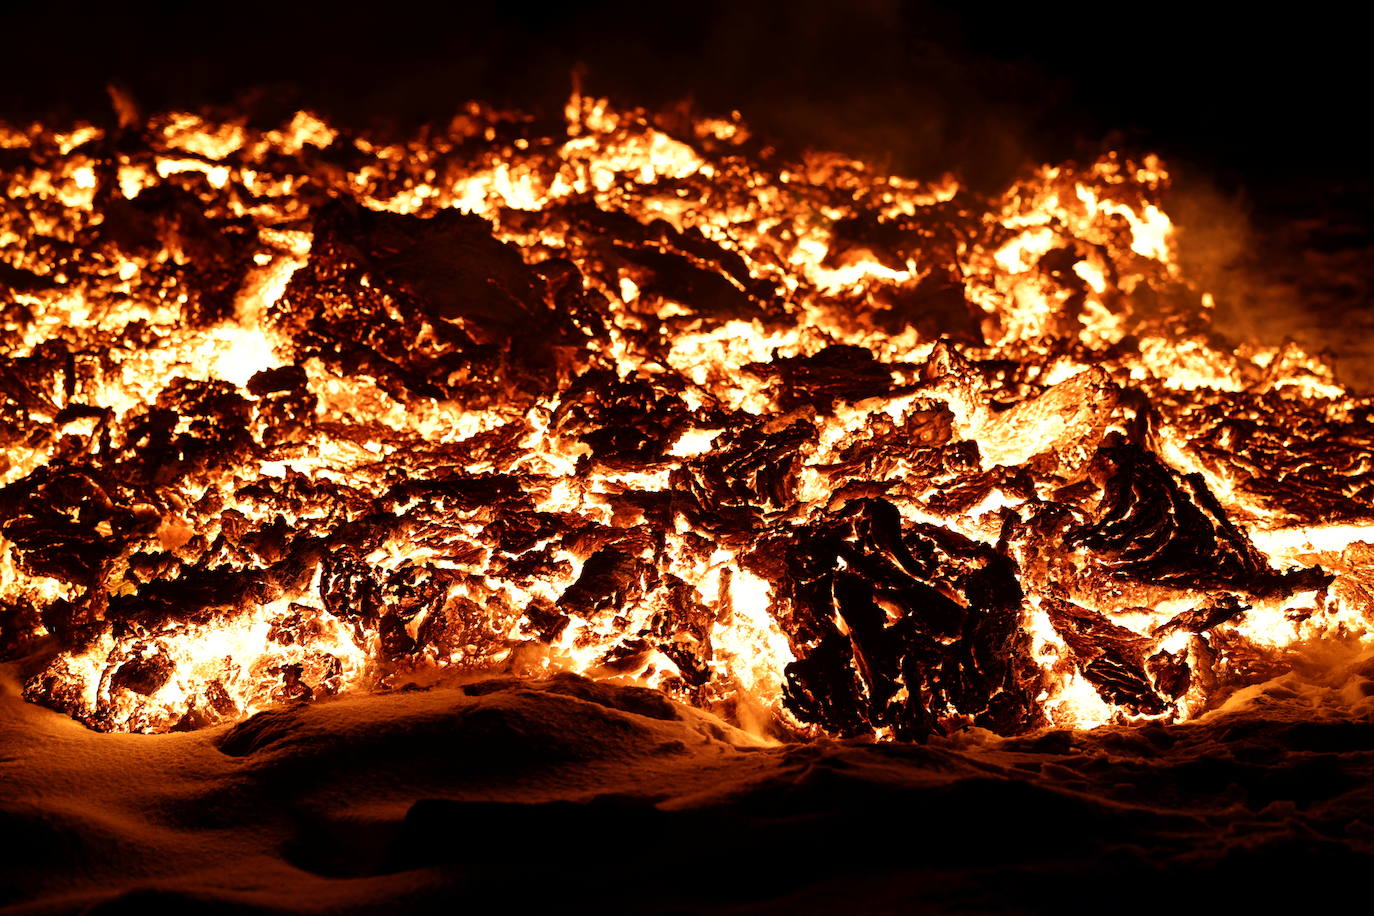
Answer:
(1254, 100)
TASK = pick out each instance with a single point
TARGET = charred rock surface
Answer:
(903, 630)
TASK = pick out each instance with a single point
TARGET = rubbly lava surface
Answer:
(292, 413)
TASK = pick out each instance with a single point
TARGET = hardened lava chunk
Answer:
(909, 631)
(1156, 525)
(727, 491)
(435, 307)
(837, 373)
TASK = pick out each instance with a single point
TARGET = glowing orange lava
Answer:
(279, 422)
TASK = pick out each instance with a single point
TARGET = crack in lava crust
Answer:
(293, 412)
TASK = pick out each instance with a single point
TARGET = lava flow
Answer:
(300, 411)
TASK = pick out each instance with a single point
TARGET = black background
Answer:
(1263, 101)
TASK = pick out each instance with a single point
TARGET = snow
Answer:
(580, 796)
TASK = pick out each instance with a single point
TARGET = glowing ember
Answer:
(294, 412)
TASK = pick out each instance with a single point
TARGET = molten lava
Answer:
(294, 412)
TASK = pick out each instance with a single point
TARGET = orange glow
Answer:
(1073, 315)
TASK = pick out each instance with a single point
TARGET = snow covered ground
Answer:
(583, 797)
